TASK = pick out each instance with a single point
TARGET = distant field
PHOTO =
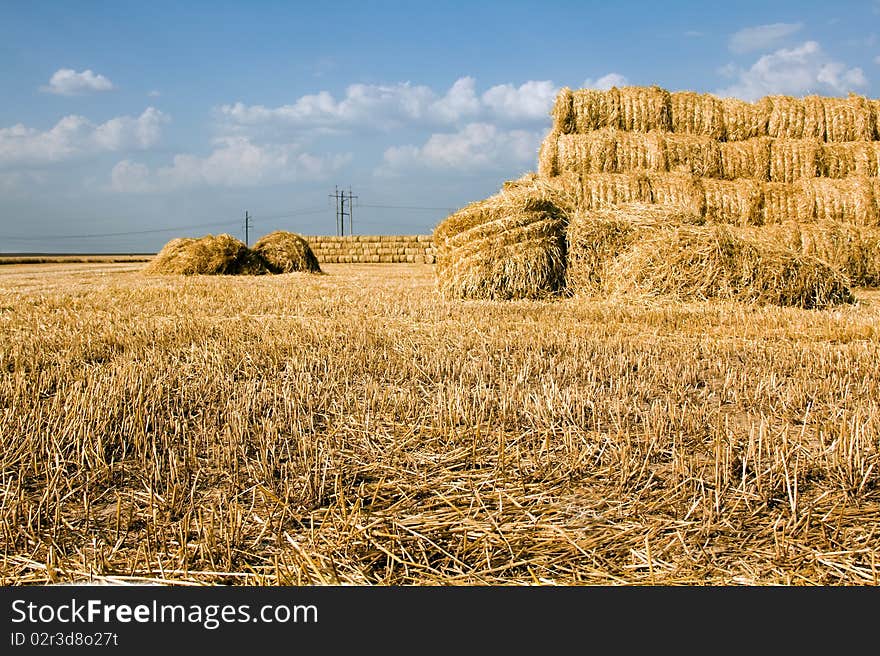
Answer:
(58, 259)
(355, 427)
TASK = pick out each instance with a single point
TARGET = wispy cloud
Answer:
(475, 147)
(76, 136)
(388, 107)
(234, 162)
(67, 82)
(794, 71)
(761, 37)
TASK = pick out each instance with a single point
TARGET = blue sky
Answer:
(146, 117)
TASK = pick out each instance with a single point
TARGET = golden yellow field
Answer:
(356, 428)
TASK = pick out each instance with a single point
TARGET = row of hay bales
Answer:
(740, 202)
(535, 239)
(642, 109)
(612, 150)
(277, 252)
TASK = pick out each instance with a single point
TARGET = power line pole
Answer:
(341, 199)
(247, 228)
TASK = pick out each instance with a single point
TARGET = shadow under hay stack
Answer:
(782, 165)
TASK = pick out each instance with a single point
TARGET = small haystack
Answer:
(696, 263)
(509, 246)
(209, 255)
(286, 252)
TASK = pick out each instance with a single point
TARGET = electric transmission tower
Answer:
(344, 200)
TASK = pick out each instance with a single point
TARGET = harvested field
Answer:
(357, 428)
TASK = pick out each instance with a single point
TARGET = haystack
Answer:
(596, 237)
(209, 255)
(509, 246)
(696, 263)
(286, 252)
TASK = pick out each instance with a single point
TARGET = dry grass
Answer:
(721, 262)
(209, 255)
(356, 428)
(286, 252)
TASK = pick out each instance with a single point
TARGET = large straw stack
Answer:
(779, 161)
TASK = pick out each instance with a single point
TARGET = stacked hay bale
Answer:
(795, 181)
(278, 252)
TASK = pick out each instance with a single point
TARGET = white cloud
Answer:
(67, 82)
(877, 60)
(795, 71)
(388, 107)
(477, 146)
(606, 82)
(75, 136)
(761, 37)
(234, 162)
(528, 102)
(155, 93)
(694, 34)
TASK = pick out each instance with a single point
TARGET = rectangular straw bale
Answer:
(849, 119)
(563, 112)
(548, 154)
(787, 117)
(794, 159)
(594, 152)
(678, 190)
(593, 109)
(738, 202)
(870, 166)
(814, 118)
(745, 120)
(601, 190)
(686, 153)
(840, 159)
(697, 113)
(851, 200)
(639, 151)
(785, 201)
(746, 159)
(645, 108)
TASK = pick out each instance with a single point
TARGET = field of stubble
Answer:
(355, 428)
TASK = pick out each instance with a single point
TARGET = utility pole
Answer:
(247, 228)
(341, 199)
